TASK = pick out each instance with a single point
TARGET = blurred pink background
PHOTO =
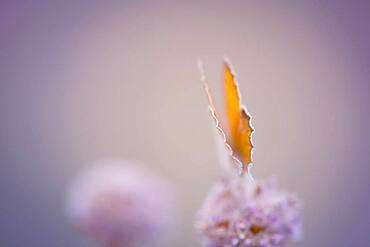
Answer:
(85, 80)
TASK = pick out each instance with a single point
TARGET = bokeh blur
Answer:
(84, 80)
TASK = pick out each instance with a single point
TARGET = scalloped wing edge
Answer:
(243, 108)
(211, 107)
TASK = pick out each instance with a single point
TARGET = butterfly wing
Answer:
(214, 115)
(232, 104)
(241, 129)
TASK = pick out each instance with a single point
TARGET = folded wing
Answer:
(240, 128)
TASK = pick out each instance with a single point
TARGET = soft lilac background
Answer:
(83, 80)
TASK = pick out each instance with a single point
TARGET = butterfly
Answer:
(238, 138)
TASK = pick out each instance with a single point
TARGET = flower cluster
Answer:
(240, 212)
(120, 204)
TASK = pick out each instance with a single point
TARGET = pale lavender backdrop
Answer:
(84, 80)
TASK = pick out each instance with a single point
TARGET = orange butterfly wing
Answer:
(241, 130)
(239, 141)
(232, 104)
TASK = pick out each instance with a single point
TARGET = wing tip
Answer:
(228, 65)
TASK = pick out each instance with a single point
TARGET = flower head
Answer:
(243, 213)
(120, 204)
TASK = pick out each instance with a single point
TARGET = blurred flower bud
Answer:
(121, 204)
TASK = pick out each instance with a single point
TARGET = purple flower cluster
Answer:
(240, 212)
(120, 204)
